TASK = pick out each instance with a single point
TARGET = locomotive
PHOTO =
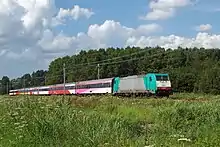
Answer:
(157, 84)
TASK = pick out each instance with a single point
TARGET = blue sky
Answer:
(178, 20)
(127, 13)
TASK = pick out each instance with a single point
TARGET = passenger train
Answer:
(148, 84)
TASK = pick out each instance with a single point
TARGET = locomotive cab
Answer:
(158, 84)
(163, 84)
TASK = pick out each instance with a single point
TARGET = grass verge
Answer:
(109, 121)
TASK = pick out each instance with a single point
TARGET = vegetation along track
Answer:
(109, 121)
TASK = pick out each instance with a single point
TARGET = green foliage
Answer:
(191, 70)
(4, 85)
(35, 79)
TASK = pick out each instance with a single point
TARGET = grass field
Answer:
(105, 121)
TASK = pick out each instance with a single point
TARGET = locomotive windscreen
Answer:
(162, 78)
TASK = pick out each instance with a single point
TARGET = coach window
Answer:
(94, 86)
(91, 86)
(150, 79)
(106, 85)
(81, 86)
(71, 87)
(101, 85)
(88, 86)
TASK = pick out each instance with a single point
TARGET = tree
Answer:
(5, 85)
(190, 69)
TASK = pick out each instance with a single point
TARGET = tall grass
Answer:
(41, 122)
(197, 121)
(109, 121)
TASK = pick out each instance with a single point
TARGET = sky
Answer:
(35, 32)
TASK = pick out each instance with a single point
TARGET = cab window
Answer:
(162, 78)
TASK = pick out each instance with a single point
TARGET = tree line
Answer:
(190, 69)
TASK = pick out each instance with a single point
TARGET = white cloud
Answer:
(163, 9)
(148, 29)
(201, 40)
(28, 41)
(114, 34)
(203, 27)
(27, 36)
(54, 43)
(75, 13)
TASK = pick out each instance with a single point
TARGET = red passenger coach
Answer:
(59, 89)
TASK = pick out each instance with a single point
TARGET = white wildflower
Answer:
(24, 122)
(22, 117)
(16, 123)
(177, 135)
(149, 146)
(184, 139)
(14, 114)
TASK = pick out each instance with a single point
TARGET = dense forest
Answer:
(190, 69)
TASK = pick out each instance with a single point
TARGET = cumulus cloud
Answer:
(115, 34)
(26, 32)
(204, 40)
(22, 23)
(203, 27)
(112, 33)
(163, 9)
(28, 41)
(75, 13)
(54, 43)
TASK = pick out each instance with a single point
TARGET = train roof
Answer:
(13, 90)
(159, 74)
(95, 81)
(45, 86)
(66, 84)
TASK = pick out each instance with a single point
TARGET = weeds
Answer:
(109, 121)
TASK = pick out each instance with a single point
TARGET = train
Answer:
(157, 84)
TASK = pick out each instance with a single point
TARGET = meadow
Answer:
(106, 121)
